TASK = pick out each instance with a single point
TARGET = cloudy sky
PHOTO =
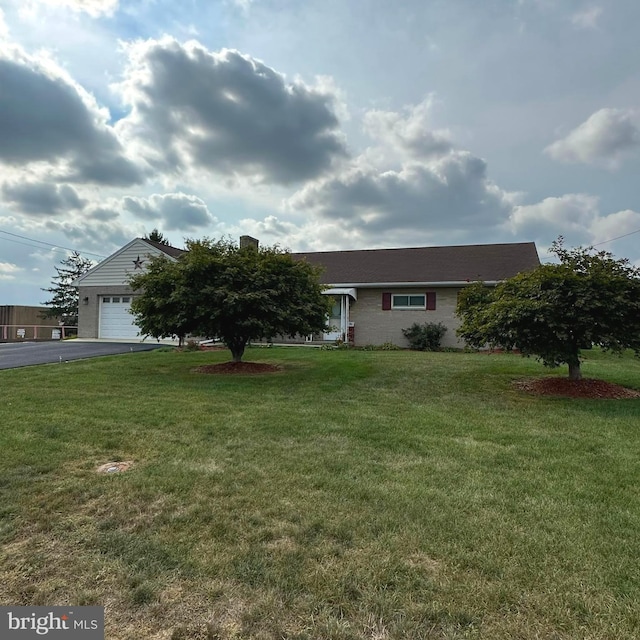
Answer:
(314, 124)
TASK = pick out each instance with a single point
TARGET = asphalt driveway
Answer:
(24, 354)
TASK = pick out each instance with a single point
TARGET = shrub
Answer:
(385, 346)
(425, 337)
(338, 344)
(192, 345)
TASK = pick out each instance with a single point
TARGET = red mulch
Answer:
(247, 368)
(585, 388)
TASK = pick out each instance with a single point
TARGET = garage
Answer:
(105, 295)
(116, 321)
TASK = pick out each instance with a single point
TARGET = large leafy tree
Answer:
(217, 289)
(160, 311)
(64, 295)
(556, 310)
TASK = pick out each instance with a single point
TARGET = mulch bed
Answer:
(585, 388)
(247, 368)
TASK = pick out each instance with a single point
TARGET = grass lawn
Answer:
(353, 495)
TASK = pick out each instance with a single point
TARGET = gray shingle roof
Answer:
(174, 252)
(486, 262)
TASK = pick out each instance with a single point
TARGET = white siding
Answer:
(116, 269)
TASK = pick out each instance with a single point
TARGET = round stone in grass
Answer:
(115, 467)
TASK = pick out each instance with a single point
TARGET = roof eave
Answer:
(379, 285)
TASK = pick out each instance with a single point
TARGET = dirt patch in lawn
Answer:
(585, 388)
(232, 368)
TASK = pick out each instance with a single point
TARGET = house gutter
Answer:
(382, 285)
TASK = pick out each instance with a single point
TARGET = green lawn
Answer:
(354, 495)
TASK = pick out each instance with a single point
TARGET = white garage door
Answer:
(115, 319)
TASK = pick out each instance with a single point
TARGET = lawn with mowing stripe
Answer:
(352, 495)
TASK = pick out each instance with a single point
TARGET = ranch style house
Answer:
(377, 292)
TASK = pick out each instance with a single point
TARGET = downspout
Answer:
(346, 319)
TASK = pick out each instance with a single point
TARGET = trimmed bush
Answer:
(385, 346)
(425, 337)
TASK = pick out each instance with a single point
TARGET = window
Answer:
(126, 299)
(106, 300)
(115, 300)
(336, 310)
(426, 301)
(409, 301)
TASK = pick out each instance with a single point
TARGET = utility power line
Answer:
(55, 247)
(597, 244)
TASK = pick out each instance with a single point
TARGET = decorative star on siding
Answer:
(137, 263)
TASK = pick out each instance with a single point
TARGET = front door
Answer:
(335, 329)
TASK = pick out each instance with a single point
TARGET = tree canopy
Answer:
(218, 290)
(556, 310)
(64, 300)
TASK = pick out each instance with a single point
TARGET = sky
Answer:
(315, 125)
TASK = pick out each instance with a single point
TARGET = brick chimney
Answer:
(248, 241)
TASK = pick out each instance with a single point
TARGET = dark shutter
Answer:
(386, 301)
(431, 300)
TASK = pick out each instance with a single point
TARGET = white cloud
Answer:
(310, 235)
(173, 211)
(70, 137)
(571, 215)
(409, 188)
(95, 8)
(576, 216)
(89, 234)
(586, 18)
(8, 271)
(225, 113)
(4, 29)
(605, 139)
(615, 225)
(451, 193)
(41, 198)
(243, 5)
(410, 132)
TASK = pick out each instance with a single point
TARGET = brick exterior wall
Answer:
(89, 313)
(375, 326)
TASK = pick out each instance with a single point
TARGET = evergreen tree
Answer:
(64, 296)
(157, 236)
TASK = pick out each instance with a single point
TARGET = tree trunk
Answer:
(237, 350)
(574, 370)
